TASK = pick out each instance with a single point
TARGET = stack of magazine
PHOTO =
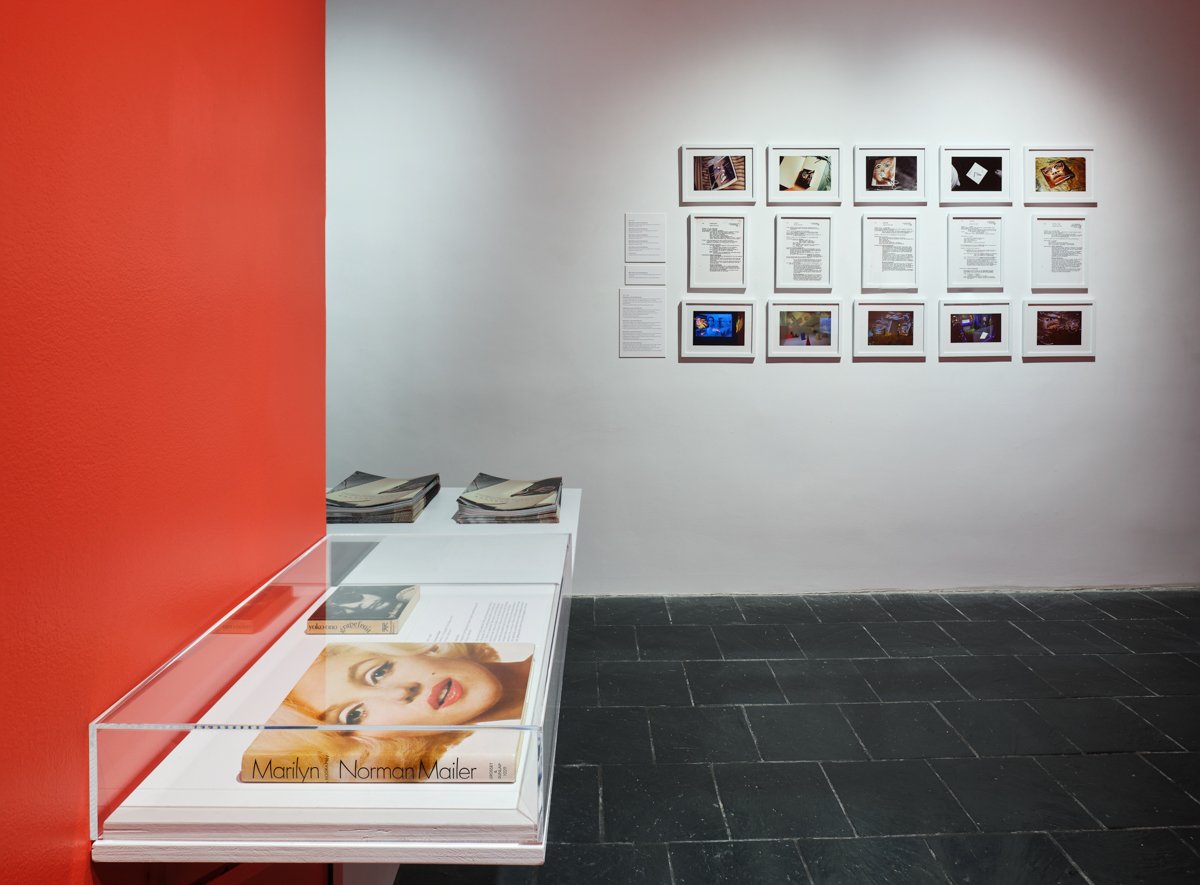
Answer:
(365, 497)
(496, 501)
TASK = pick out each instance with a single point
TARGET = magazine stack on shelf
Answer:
(492, 500)
(365, 497)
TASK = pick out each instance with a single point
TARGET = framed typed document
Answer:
(717, 329)
(889, 174)
(1062, 328)
(889, 329)
(717, 251)
(975, 252)
(977, 175)
(798, 330)
(1059, 253)
(974, 329)
(804, 175)
(720, 174)
(803, 251)
(889, 252)
(1060, 175)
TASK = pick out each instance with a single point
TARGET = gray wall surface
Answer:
(481, 157)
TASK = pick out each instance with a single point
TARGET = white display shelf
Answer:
(166, 760)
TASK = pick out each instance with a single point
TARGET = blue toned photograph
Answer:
(975, 328)
(719, 328)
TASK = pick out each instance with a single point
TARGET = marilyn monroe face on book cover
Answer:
(366, 686)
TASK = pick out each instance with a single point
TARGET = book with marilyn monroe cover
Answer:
(377, 683)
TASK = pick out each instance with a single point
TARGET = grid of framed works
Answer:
(976, 318)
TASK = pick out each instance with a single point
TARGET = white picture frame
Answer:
(1058, 252)
(902, 180)
(885, 241)
(716, 174)
(975, 328)
(803, 251)
(791, 168)
(723, 338)
(1058, 328)
(974, 252)
(880, 336)
(821, 334)
(718, 250)
(1057, 175)
(977, 176)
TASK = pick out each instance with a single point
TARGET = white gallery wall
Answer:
(481, 156)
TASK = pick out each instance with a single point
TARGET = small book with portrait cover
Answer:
(366, 497)
(364, 609)
(379, 691)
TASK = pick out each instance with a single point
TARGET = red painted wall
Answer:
(162, 199)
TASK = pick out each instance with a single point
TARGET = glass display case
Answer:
(383, 698)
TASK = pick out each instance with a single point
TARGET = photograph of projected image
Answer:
(719, 173)
(890, 328)
(976, 328)
(1056, 328)
(805, 328)
(719, 329)
(1060, 175)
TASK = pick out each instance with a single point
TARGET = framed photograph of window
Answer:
(717, 250)
(717, 329)
(975, 175)
(1062, 328)
(889, 329)
(804, 175)
(803, 251)
(798, 330)
(889, 174)
(1059, 175)
(719, 174)
(974, 329)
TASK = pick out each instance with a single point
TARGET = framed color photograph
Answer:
(978, 175)
(1059, 175)
(974, 329)
(803, 251)
(1060, 328)
(717, 174)
(712, 329)
(889, 174)
(1059, 252)
(804, 175)
(889, 329)
(717, 250)
(799, 330)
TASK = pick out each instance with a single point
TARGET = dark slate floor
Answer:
(893, 738)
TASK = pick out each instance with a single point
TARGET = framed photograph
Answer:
(1060, 175)
(1059, 328)
(979, 175)
(975, 252)
(717, 174)
(974, 329)
(712, 329)
(717, 250)
(889, 252)
(804, 175)
(889, 174)
(803, 251)
(1059, 256)
(799, 330)
(889, 329)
